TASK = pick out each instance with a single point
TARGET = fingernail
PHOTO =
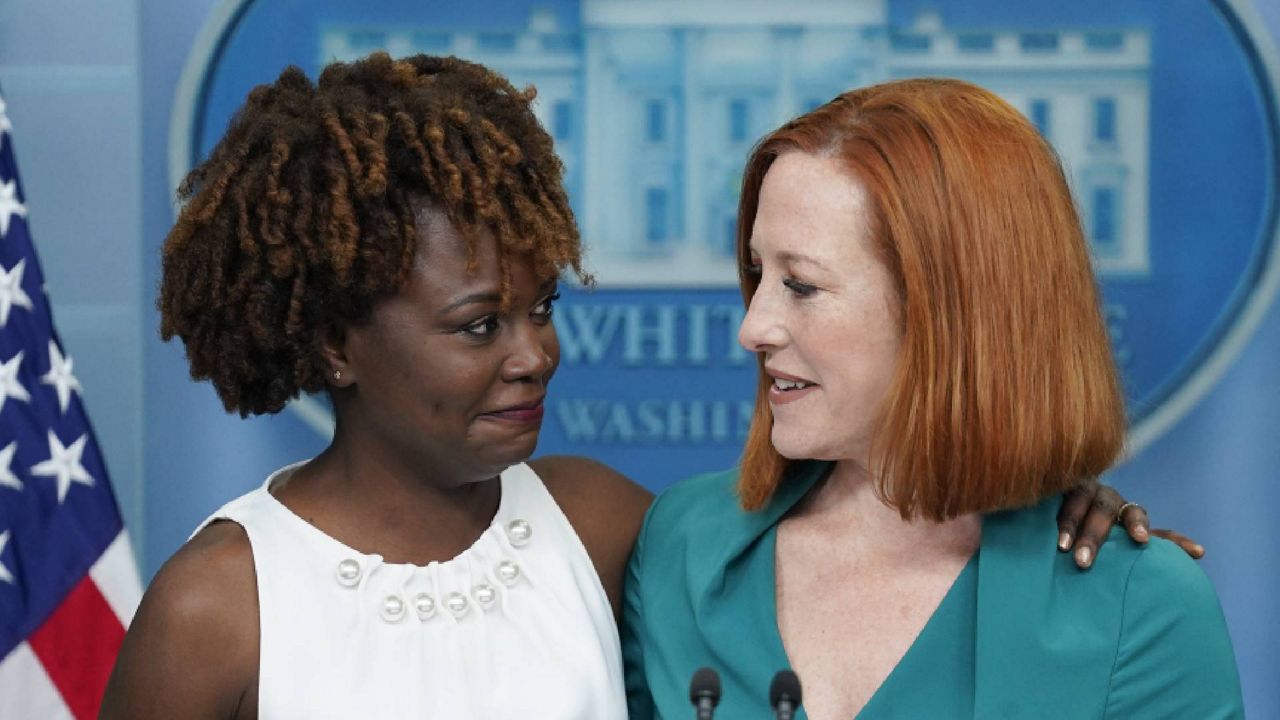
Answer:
(1200, 550)
(1083, 556)
(1140, 533)
(1064, 541)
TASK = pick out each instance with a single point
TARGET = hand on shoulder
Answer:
(192, 649)
(604, 507)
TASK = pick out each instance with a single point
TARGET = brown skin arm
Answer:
(604, 507)
(1088, 513)
(192, 649)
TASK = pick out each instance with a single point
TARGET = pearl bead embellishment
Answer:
(425, 605)
(392, 608)
(519, 532)
(484, 594)
(508, 572)
(348, 573)
(457, 604)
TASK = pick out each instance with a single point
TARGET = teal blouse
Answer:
(1022, 633)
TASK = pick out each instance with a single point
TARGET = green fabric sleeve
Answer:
(639, 700)
(1174, 657)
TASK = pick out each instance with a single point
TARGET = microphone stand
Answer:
(784, 695)
(704, 692)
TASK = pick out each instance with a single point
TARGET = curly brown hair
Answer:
(301, 217)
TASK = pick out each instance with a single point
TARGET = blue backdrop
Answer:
(1163, 111)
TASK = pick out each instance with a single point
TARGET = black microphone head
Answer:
(785, 685)
(705, 684)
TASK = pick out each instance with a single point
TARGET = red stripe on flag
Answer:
(77, 646)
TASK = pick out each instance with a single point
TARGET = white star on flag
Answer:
(5, 575)
(11, 292)
(60, 376)
(64, 465)
(9, 205)
(10, 386)
(7, 478)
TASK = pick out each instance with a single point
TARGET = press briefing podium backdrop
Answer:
(1163, 110)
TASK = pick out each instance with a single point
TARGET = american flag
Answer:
(68, 583)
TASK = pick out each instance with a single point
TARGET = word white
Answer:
(651, 334)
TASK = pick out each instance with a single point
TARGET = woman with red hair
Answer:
(934, 372)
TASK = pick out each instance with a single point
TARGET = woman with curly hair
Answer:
(391, 234)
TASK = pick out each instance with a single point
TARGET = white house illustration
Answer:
(654, 105)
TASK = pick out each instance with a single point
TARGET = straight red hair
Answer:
(1005, 390)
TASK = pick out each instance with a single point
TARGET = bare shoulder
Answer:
(582, 481)
(605, 508)
(597, 499)
(192, 649)
(210, 579)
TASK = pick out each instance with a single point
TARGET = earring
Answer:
(337, 375)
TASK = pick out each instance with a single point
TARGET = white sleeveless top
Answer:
(518, 625)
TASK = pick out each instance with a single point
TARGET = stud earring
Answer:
(337, 374)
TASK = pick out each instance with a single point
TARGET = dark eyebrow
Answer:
(473, 299)
(490, 297)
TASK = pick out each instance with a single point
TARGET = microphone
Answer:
(704, 692)
(784, 694)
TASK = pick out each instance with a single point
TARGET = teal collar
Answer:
(799, 479)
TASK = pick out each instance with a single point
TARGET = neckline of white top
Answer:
(515, 532)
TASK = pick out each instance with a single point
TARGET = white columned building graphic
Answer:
(654, 105)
